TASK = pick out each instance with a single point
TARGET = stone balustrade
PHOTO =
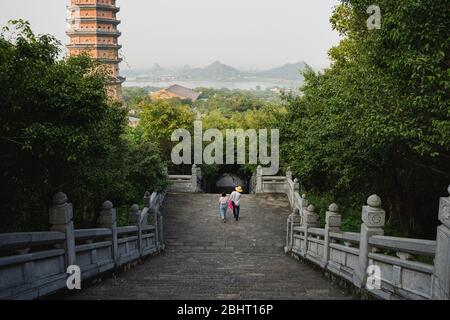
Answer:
(34, 264)
(385, 267)
(186, 183)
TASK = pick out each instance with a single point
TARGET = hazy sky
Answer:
(242, 33)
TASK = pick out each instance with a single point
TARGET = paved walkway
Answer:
(207, 259)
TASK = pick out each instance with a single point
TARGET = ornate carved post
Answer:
(135, 220)
(259, 180)
(108, 219)
(311, 220)
(61, 215)
(373, 218)
(441, 279)
(332, 224)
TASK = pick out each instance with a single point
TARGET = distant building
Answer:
(133, 121)
(176, 92)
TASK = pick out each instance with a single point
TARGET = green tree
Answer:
(161, 118)
(58, 132)
(377, 121)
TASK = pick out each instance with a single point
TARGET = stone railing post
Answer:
(441, 278)
(259, 179)
(295, 190)
(303, 205)
(332, 224)
(161, 245)
(61, 215)
(194, 179)
(310, 220)
(373, 218)
(148, 204)
(293, 221)
(289, 173)
(135, 220)
(108, 219)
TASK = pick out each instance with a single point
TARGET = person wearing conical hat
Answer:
(235, 198)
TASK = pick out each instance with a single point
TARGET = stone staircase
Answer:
(207, 259)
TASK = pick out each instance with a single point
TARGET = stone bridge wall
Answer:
(408, 268)
(186, 183)
(34, 264)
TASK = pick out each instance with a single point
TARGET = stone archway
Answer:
(228, 181)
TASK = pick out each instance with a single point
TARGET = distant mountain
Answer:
(290, 71)
(215, 71)
(218, 71)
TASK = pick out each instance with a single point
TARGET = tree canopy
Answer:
(378, 120)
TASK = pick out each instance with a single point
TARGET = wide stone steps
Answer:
(207, 259)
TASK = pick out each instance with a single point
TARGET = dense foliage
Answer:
(58, 132)
(378, 120)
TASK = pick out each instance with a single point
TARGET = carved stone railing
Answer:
(34, 264)
(386, 267)
(186, 183)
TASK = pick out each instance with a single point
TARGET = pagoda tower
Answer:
(93, 29)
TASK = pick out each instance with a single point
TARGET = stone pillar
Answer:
(135, 220)
(296, 189)
(293, 221)
(259, 180)
(373, 218)
(310, 220)
(333, 222)
(148, 199)
(194, 179)
(61, 215)
(441, 278)
(108, 219)
(303, 205)
(289, 173)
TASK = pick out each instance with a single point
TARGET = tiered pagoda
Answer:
(93, 29)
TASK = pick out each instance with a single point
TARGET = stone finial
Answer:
(374, 201)
(108, 215)
(59, 199)
(289, 173)
(333, 219)
(147, 199)
(303, 196)
(135, 216)
(372, 214)
(107, 205)
(333, 208)
(134, 208)
(61, 213)
(295, 180)
(311, 218)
